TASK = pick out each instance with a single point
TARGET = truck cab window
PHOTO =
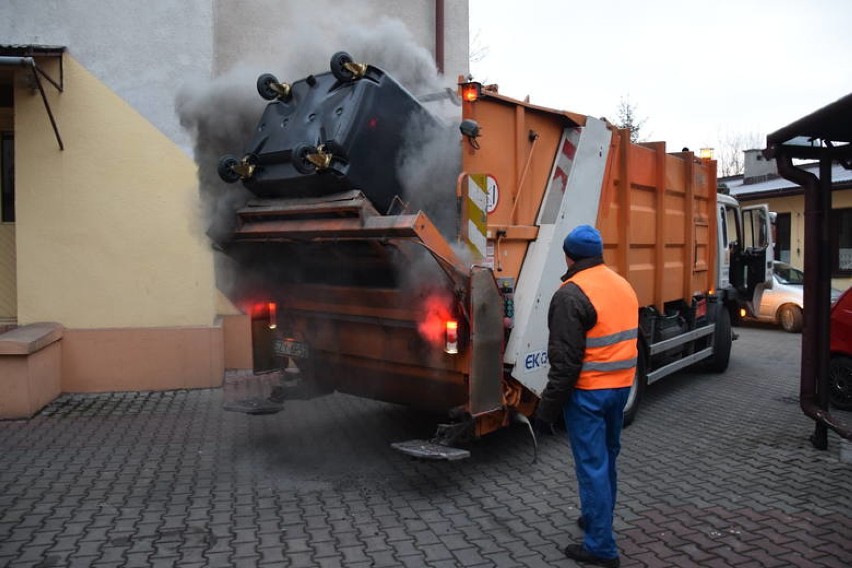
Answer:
(754, 229)
(731, 225)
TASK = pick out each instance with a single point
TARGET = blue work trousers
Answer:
(594, 419)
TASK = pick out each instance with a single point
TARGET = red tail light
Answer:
(452, 334)
(273, 315)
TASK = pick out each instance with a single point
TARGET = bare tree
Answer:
(730, 158)
(477, 50)
(627, 116)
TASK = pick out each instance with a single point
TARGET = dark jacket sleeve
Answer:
(570, 316)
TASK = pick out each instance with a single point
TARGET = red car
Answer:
(840, 365)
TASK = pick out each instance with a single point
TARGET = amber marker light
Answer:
(471, 92)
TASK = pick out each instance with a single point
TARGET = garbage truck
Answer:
(366, 294)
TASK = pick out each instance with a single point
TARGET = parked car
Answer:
(783, 303)
(840, 364)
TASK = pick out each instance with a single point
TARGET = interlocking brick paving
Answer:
(716, 471)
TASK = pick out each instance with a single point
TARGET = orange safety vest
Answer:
(611, 345)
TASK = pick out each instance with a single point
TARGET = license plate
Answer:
(290, 348)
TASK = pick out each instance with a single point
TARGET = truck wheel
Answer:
(791, 318)
(640, 381)
(840, 382)
(226, 169)
(722, 339)
(264, 86)
(341, 73)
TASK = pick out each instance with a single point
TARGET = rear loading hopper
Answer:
(363, 299)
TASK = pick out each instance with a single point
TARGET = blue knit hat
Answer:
(583, 241)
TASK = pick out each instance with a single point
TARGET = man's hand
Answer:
(542, 427)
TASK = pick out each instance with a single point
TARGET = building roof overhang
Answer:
(825, 133)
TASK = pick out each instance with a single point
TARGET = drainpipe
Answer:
(439, 35)
(813, 388)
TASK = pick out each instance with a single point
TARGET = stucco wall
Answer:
(142, 50)
(301, 38)
(107, 230)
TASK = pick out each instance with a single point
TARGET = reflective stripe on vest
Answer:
(611, 349)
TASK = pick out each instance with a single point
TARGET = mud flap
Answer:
(486, 389)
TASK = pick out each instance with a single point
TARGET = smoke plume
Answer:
(222, 114)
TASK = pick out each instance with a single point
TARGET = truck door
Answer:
(757, 247)
(729, 239)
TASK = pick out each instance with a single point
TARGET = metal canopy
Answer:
(25, 56)
(824, 135)
(830, 123)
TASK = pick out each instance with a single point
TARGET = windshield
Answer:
(786, 274)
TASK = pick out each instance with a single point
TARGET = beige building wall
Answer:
(8, 281)
(841, 200)
(109, 243)
(795, 205)
(107, 230)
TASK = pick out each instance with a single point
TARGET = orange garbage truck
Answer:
(444, 306)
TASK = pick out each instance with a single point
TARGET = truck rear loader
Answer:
(369, 297)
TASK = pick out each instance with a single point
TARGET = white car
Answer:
(783, 303)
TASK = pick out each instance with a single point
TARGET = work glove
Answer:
(542, 427)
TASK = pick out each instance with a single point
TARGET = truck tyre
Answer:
(640, 381)
(791, 318)
(225, 169)
(722, 339)
(341, 73)
(264, 86)
(840, 382)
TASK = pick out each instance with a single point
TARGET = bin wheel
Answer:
(226, 169)
(338, 69)
(300, 159)
(264, 86)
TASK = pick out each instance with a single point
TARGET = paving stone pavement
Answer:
(716, 471)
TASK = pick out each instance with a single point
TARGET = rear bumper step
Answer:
(426, 450)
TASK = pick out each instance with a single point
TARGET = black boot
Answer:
(580, 554)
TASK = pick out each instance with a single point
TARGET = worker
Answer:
(592, 349)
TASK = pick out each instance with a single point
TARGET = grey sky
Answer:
(696, 70)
